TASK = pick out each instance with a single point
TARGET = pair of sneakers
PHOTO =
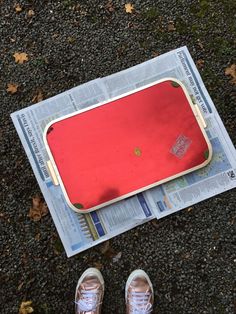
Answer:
(89, 293)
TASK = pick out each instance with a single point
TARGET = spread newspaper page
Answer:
(79, 232)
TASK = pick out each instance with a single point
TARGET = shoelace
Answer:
(140, 304)
(89, 301)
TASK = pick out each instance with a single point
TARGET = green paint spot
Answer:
(78, 205)
(175, 84)
(206, 154)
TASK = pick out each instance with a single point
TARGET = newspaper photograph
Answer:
(79, 232)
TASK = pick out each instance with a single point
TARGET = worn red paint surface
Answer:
(127, 144)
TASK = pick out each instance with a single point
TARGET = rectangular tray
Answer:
(111, 151)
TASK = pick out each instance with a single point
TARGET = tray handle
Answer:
(199, 116)
(52, 173)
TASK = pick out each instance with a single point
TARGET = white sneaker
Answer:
(89, 292)
(139, 294)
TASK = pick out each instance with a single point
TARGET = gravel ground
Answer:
(190, 256)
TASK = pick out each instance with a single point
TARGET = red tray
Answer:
(136, 141)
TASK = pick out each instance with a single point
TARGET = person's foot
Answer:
(89, 292)
(139, 294)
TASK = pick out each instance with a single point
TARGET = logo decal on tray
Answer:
(180, 146)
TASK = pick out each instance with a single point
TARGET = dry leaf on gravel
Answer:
(20, 57)
(117, 257)
(200, 63)
(171, 26)
(38, 210)
(232, 72)
(30, 13)
(18, 8)
(26, 308)
(12, 88)
(105, 247)
(155, 223)
(71, 39)
(109, 6)
(98, 265)
(107, 250)
(129, 8)
(20, 286)
(37, 236)
(38, 97)
(155, 54)
(200, 44)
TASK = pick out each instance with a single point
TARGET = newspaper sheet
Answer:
(78, 231)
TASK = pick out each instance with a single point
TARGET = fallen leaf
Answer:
(200, 63)
(38, 210)
(155, 223)
(18, 8)
(232, 72)
(24, 258)
(30, 13)
(117, 257)
(38, 97)
(25, 307)
(37, 236)
(129, 8)
(186, 255)
(20, 57)
(20, 286)
(105, 247)
(83, 12)
(155, 54)
(36, 201)
(55, 35)
(200, 44)
(132, 25)
(109, 6)
(120, 51)
(76, 7)
(107, 250)
(34, 215)
(71, 39)
(12, 88)
(171, 26)
(98, 265)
